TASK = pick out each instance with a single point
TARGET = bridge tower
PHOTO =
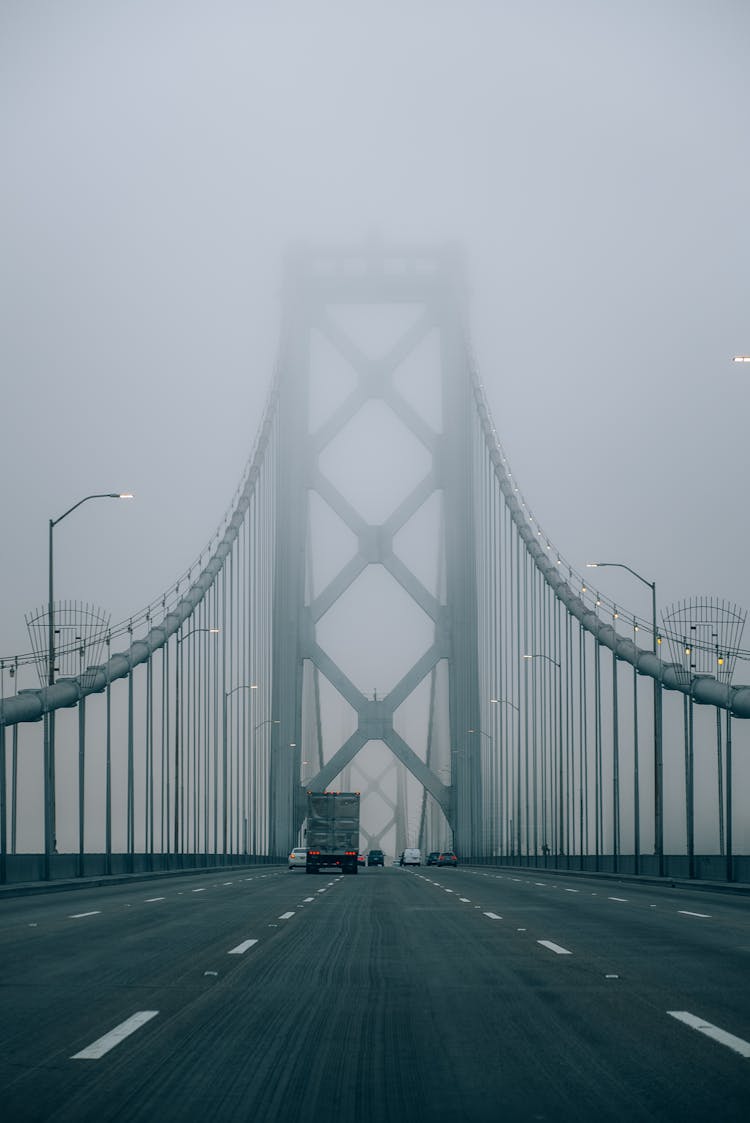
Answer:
(422, 292)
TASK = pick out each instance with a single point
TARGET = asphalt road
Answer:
(398, 995)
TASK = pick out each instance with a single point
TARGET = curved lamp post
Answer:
(177, 792)
(227, 695)
(49, 725)
(560, 805)
(260, 725)
(507, 702)
(658, 763)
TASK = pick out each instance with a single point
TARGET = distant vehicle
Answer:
(376, 858)
(447, 858)
(361, 860)
(432, 858)
(411, 857)
(298, 858)
(332, 831)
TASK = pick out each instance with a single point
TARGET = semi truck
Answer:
(332, 837)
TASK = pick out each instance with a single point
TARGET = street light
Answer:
(260, 725)
(560, 825)
(51, 608)
(49, 722)
(504, 758)
(741, 359)
(658, 797)
(227, 694)
(180, 639)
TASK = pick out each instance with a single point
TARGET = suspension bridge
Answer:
(378, 609)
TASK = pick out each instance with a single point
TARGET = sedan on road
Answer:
(298, 858)
(447, 858)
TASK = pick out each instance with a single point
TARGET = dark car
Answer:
(447, 858)
(432, 858)
(376, 858)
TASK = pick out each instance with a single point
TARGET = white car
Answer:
(298, 858)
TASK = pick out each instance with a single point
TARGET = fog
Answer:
(590, 160)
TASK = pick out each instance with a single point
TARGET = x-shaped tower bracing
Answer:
(430, 282)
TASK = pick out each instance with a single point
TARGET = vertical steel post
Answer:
(720, 780)
(636, 782)
(730, 862)
(3, 806)
(690, 794)
(177, 800)
(131, 774)
(615, 768)
(108, 768)
(81, 782)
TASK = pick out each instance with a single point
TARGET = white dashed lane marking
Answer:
(199, 890)
(286, 915)
(150, 900)
(702, 915)
(712, 1031)
(624, 900)
(465, 900)
(493, 916)
(78, 915)
(554, 947)
(242, 948)
(103, 1045)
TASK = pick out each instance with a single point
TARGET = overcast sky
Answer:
(158, 157)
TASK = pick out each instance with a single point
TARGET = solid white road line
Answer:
(103, 1045)
(78, 915)
(242, 948)
(554, 947)
(286, 915)
(150, 900)
(720, 1035)
(493, 916)
(702, 915)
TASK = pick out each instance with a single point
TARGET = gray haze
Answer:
(591, 158)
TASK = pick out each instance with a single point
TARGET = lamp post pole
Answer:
(504, 767)
(260, 725)
(50, 828)
(227, 693)
(560, 798)
(491, 740)
(658, 749)
(177, 788)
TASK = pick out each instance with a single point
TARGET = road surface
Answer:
(475, 994)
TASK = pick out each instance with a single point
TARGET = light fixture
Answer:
(741, 359)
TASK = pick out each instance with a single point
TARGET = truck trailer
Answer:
(332, 837)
